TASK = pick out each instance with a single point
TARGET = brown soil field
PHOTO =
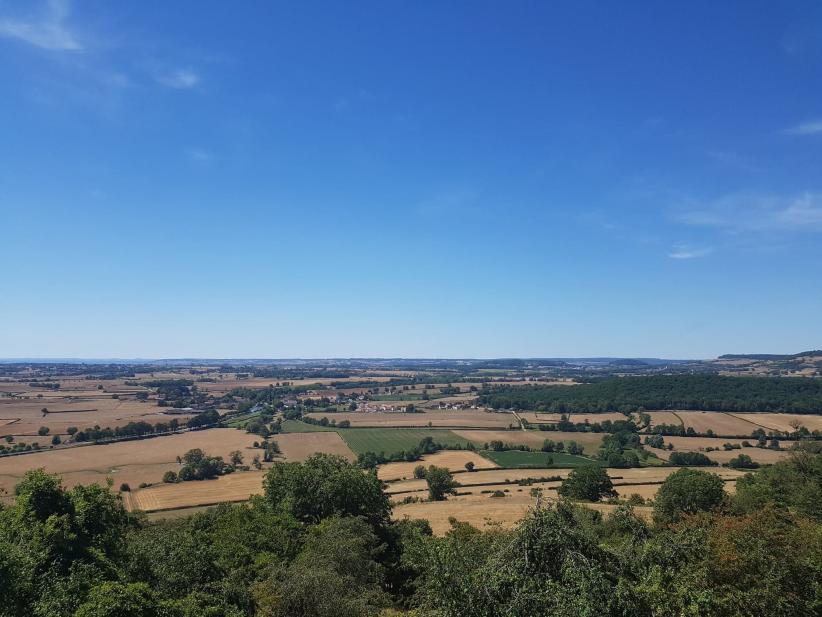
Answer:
(445, 418)
(534, 439)
(70, 411)
(299, 446)
(130, 461)
(454, 460)
(781, 421)
(238, 486)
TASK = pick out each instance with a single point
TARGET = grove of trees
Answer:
(697, 392)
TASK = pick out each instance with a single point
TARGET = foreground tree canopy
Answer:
(320, 542)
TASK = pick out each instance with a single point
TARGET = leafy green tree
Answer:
(326, 485)
(795, 483)
(688, 491)
(589, 482)
(440, 483)
(419, 472)
(469, 466)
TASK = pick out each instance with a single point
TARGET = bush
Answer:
(169, 477)
(691, 459)
(743, 461)
(125, 488)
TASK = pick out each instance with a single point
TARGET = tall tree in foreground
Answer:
(326, 485)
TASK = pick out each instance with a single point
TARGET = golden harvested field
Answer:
(490, 477)
(758, 455)
(539, 417)
(82, 412)
(696, 444)
(129, 461)
(638, 475)
(454, 460)
(299, 446)
(438, 418)
(720, 423)
(781, 421)
(238, 486)
(534, 439)
(664, 417)
(482, 511)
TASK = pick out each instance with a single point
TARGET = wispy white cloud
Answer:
(48, 30)
(813, 127)
(757, 212)
(199, 156)
(683, 251)
(181, 79)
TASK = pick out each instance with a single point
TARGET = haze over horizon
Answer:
(419, 180)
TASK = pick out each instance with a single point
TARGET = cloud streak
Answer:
(814, 127)
(181, 79)
(757, 213)
(47, 31)
(682, 251)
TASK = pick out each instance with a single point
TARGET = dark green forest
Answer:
(320, 542)
(695, 392)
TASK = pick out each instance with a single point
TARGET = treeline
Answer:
(142, 429)
(695, 392)
(321, 542)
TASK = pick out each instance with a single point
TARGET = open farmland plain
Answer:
(132, 462)
(374, 408)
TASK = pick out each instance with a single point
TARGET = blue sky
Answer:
(438, 179)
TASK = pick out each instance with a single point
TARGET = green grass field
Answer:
(295, 426)
(390, 440)
(516, 459)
